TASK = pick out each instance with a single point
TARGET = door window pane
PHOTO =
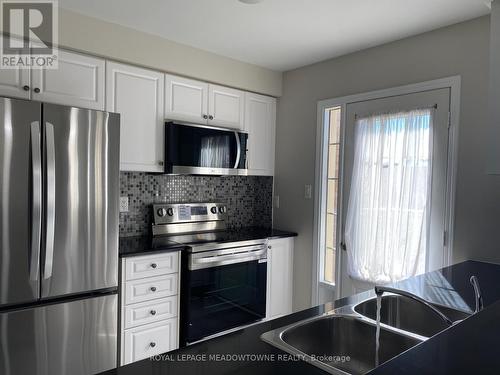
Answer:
(332, 196)
(333, 161)
(332, 181)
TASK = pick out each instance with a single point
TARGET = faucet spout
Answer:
(477, 294)
(379, 290)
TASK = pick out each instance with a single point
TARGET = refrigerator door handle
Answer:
(36, 200)
(51, 200)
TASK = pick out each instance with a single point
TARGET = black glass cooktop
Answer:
(130, 246)
(222, 236)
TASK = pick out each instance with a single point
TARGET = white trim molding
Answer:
(454, 84)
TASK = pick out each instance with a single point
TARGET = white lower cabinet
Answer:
(279, 277)
(150, 340)
(150, 311)
(150, 306)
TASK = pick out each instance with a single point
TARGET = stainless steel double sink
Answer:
(343, 341)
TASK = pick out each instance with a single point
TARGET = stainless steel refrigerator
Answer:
(59, 184)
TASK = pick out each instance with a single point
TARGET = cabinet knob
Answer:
(205, 117)
(269, 247)
(160, 162)
(210, 117)
(37, 90)
(153, 312)
(152, 344)
(154, 265)
(26, 87)
(153, 289)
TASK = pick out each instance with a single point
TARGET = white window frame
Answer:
(454, 84)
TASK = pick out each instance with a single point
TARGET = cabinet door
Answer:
(149, 340)
(279, 277)
(260, 123)
(137, 95)
(226, 107)
(186, 99)
(78, 81)
(15, 82)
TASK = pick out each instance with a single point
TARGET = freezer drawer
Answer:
(77, 338)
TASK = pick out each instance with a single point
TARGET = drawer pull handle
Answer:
(152, 344)
(154, 265)
(153, 312)
(153, 289)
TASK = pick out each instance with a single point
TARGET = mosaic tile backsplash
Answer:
(248, 198)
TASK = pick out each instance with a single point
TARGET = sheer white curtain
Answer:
(387, 215)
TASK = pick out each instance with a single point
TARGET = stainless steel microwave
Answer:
(205, 150)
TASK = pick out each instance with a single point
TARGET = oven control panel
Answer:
(188, 212)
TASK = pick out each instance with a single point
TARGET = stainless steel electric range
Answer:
(223, 279)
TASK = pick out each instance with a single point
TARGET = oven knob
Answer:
(222, 209)
(170, 211)
(161, 212)
(213, 210)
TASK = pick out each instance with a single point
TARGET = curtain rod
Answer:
(435, 106)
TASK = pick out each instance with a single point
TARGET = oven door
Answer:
(221, 291)
(200, 149)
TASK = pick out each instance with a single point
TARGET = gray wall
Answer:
(461, 49)
(88, 34)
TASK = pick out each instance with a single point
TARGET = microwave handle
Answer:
(238, 153)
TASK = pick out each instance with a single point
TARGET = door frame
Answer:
(454, 84)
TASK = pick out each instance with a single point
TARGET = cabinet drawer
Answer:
(150, 311)
(151, 288)
(152, 339)
(151, 265)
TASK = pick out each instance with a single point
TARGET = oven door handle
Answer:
(196, 263)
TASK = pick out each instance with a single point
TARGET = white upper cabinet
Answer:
(137, 95)
(226, 107)
(15, 82)
(186, 99)
(78, 81)
(260, 123)
(202, 103)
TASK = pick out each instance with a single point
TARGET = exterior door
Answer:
(20, 200)
(436, 232)
(81, 187)
(77, 338)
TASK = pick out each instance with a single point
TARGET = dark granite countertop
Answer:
(141, 245)
(469, 347)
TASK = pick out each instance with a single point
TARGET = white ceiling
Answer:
(281, 34)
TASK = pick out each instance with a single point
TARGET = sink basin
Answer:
(409, 315)
(339, 344)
